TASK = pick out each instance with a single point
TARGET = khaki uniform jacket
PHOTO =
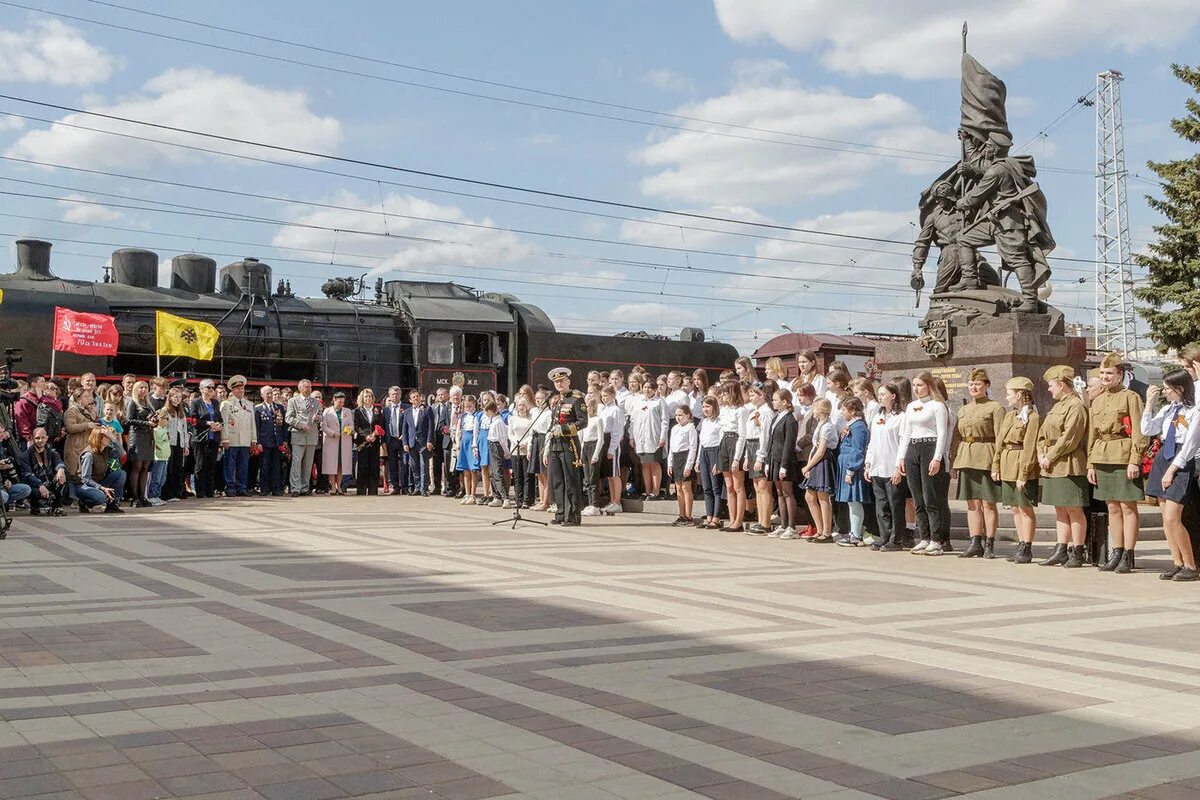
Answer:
(304, 411)
(1063, 438)
(238, 427)
(1017, 464)
(975, 432)
(1109, 440)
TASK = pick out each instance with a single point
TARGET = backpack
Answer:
(51, 419)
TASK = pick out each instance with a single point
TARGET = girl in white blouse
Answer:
(647, 432)
(924, 440)
(542, 418)
(806, 363)
(885, 476)
(734, 415)
(1178, 423)
(758, 426)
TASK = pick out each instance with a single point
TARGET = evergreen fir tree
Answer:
(1172, 288)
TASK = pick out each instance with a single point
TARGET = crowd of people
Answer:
(823, 457)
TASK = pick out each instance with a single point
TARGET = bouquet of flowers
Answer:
(347, 430)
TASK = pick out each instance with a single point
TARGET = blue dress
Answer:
(482, 423)
(852, 458)
(467, 460)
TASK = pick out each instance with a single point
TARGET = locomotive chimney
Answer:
(33, 260)
(194, 273)
(135, 267)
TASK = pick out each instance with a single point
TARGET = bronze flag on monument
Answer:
(983, 98)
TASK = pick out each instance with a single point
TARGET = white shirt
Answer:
(884, 443)
(672, 402)
(758, 426)
(925, 419)
(612, 422)
(646, 424)
(518, 433)
(498, 433)
(818, 384)
(826, 431)
(593, 430)
(710, 432)
(1187, 435)
(622, 393)
(685, 439)
(468, 422)
(542, 419)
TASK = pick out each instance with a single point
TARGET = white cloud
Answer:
(920, 39)
(663, 230)
(52, 52)
(455, 245)
(701, 169)
(668, 80)
(86, 213)
(186, 98)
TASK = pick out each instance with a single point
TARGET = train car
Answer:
(411, 333)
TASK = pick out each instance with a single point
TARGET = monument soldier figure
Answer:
(1002, 192)
(568, 416)
(960, 267)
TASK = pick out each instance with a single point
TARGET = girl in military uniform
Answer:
(974, 448)
(1115, 447)
(1014, 464)
(1062, 459)
(1178, 423)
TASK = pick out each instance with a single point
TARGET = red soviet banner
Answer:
(84, 333)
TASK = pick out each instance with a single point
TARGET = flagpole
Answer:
(53, 354)
(157, 354)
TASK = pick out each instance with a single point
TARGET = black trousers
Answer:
(889, 509)
(366, 470)
(566, 481)
(930, 493)
(397, 464)
(499, 478)
(270, 471)
(60, 495)
(205, 452)
(437, 480)
(173, 484)
(524, 481)
(450, 477)
(590, 471)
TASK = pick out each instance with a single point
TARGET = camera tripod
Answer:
(516, 517)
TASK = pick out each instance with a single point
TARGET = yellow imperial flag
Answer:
(179, 336)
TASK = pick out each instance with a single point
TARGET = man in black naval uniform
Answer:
(568, 416)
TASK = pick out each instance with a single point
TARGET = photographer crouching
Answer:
(43, 470)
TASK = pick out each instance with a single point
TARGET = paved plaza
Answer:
(391, 648)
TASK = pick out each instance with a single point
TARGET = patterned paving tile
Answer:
(861, 591)
(516, 614)
(15, 583)
(313, 571)
(90, 643)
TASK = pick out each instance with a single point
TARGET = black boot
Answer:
(975, 550)
(1126, 564)
(1024, 554)
(989, 548)
(1075, 557)
(1114, 558)
(1057, 558)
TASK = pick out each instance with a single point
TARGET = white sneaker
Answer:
(612, 508)
(496, 503)
(472, 500)
(920, 548)
(553, 509)
(510, 503)
(789, 533)
(172, 500)
(464, 501)
(934, 549)
(774, 534)
(590, 511)
(155, 501)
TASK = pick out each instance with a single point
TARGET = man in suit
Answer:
(393, 439)
(302, 418)
(441, 435)
(206, 443)
(417, 432)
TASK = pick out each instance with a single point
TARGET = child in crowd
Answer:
(519, 424)
(541, 428)
(162, 456)
(819, 472)
(110, 417)
(591, 442)
(852, 487)
(483, 423)
(710, 473)
(682, 462)
(498, 450)
(729, 457)
(758, 430)
(468, 450)
(648, 434)
(781, 462)
(612, 430)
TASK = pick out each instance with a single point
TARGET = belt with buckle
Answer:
(1014, 447)
(1112, 437)
(979, 439)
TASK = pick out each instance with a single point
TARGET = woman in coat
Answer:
(368, 422)
(79, 420)
(337, 431)
(139, 415)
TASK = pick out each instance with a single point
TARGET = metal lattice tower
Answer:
(1115, 318)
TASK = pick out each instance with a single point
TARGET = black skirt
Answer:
(751, 455)
(678, 463)
(1178, 489)
(536, 442)
(725, 454)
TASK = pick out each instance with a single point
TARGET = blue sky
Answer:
(880, 74)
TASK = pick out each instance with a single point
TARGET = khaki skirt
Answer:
(1068, 492)
(977, 484)
(1113, 484)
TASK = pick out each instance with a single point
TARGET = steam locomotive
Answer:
(412, 333)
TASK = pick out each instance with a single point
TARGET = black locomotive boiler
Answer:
(411, 333)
